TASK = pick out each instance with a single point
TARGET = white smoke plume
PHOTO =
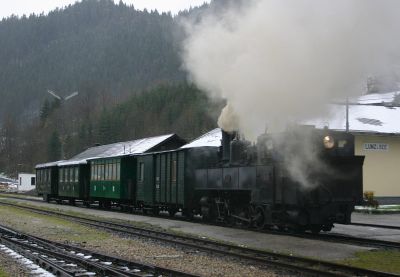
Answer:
(280, 61)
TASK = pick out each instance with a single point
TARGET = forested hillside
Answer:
(124, 63)
(91, 43)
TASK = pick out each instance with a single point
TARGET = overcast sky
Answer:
(20, 7)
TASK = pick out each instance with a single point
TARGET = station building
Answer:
(374, 119)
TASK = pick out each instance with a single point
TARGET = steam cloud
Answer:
(280, 61)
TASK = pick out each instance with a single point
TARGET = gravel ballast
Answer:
(138, 249)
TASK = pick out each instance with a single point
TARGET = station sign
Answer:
(376, 146)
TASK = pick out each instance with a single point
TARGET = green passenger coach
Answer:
(112, 178)
(47, 180)
(73, 181)
(113, 168)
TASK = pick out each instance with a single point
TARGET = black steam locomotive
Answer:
(303, 179)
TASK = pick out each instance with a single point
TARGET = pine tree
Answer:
(54, 147)
(45, 111)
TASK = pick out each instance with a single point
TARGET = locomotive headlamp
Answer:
(329, 142)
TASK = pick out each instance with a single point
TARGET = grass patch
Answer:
(138, 224)
(57, 227)
(3, 273)
(381, 260)
(17, 195)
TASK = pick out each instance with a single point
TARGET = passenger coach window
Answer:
(173, 173)
(60, 178)
(141, 172)
(96, 172)
(70, 174)
(114, 171)
(92, 171)
(108, 171)
(102, 166)
(118, 171)
(76, 174)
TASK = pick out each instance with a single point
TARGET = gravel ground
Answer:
(286, 244)
(10, 267)
(138, 249)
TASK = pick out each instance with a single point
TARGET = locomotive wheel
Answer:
(315, 229)
(172, 212)
(156, 211)
(245, 213)
(207, 214)
(327, 228)
(299, 228)
(259, 218)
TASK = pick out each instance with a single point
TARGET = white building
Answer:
(26, 182)
(374, 119)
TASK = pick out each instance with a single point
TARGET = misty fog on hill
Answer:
(280, 61)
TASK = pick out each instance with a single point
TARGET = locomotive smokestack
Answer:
(227, 137)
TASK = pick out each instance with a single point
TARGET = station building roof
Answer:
(138, 146)
(362, 119)
(377, 98)
(376, 113)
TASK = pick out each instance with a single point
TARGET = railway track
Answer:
(282, 261)
(66, 260)
(337, 238)
(393, 227)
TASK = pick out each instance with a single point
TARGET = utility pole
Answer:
(347, 114)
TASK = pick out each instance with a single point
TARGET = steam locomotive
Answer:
(303, 179)
(300, 179)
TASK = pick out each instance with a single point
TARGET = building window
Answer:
(33, 181)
